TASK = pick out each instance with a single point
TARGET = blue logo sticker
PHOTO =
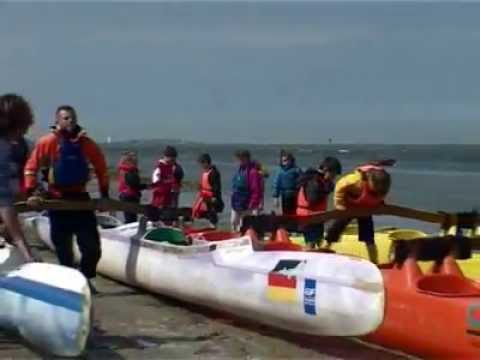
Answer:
(309, 295)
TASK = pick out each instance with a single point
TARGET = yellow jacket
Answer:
(348, 187)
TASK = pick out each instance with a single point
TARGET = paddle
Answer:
(266, 223)
(149, 211)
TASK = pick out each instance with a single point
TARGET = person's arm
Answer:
(255, 187)
(156, 175)
(298, 177)
(215, 182)
(97, 159)
(178, 175)
(38, 157)
(276, 184)
(133, 180)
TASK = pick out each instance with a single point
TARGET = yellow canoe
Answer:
(350, 245)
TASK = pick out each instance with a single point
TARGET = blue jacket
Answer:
(286, 181)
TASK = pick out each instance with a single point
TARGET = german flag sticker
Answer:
(282, 287)
(473, 319)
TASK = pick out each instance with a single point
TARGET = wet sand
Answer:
(132, 324)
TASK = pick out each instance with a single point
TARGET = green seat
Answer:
(172, 236)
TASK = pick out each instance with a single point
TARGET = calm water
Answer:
(439, 177)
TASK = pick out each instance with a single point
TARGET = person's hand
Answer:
(30, 258)
(35, 201)
(37, 257)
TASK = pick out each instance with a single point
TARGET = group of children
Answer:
(295, 192)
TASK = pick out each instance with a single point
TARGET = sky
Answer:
(260, 72)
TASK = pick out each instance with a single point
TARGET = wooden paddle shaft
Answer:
(97, 204)
(445, 219)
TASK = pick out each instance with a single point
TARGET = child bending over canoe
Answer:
(312, 198)
(365, 188)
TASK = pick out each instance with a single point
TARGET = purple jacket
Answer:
(247, 190)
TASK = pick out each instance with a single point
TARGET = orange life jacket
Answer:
(199, 207)
(305, 209)
(123, 187)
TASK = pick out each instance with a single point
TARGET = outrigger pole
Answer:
(444, 219)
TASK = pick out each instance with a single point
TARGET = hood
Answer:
(126, 166)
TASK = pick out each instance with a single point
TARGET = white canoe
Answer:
(312, 293)
(48, 305)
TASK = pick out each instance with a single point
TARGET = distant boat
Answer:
(343, 151)
(109, 140)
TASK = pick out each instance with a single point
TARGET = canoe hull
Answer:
(346, 300)
(48, 305)
(350, 245)
(432, 316)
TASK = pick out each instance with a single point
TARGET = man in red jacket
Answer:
(67, 152)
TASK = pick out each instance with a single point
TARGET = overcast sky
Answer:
(259, 72)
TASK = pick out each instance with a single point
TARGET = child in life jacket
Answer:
(208, 203)
(164, 180)
(285, 184)
(129, 184)
(312, 198)
(264, 175)
(365, 188)
(247, 189)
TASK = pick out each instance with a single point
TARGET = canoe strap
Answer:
(142, 229)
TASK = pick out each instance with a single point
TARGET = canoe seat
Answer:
(216, 235)
(446, 285)
(108, 222)
(281, 246)
(171, 236)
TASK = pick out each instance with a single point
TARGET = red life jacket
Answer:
(163, 186)
(199, 207)
(305, 209)
(123, 187)
(367, 198)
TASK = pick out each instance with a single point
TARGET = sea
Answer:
(429, 177)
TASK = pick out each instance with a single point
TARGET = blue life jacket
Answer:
(240, 189)
(71, 167)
